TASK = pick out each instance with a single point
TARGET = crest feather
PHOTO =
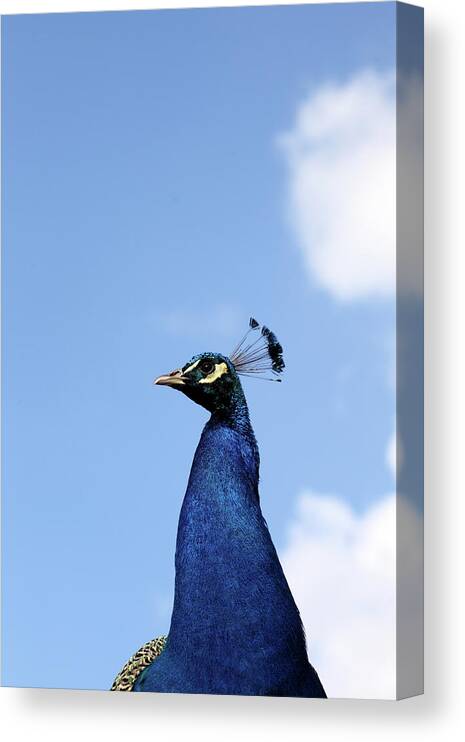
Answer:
(261, 355)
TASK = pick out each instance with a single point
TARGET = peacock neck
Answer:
(220, 516)
(234, 415)
(232, 602)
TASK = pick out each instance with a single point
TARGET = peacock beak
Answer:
(175, 378)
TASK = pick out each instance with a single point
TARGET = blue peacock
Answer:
(235, 628)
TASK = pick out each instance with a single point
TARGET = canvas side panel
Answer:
(409, 348)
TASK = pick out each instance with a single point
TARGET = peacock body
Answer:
(235, 628)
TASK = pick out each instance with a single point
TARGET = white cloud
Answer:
(391, 455)
(341, 568)
(341, 154)
(394, 455)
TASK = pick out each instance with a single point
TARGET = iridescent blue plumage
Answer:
(235, 628)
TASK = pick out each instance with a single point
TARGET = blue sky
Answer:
(147, 214)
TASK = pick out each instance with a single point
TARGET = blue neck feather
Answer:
(235, 627)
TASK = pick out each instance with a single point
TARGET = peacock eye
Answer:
(206, 367)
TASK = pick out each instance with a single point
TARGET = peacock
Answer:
(235, 628)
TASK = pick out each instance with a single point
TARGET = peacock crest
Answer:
(258, 352)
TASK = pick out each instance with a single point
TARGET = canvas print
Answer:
(212, 336)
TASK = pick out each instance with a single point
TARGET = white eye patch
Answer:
(191, 367)
(219, 370)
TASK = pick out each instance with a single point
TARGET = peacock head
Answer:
(212, 379)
